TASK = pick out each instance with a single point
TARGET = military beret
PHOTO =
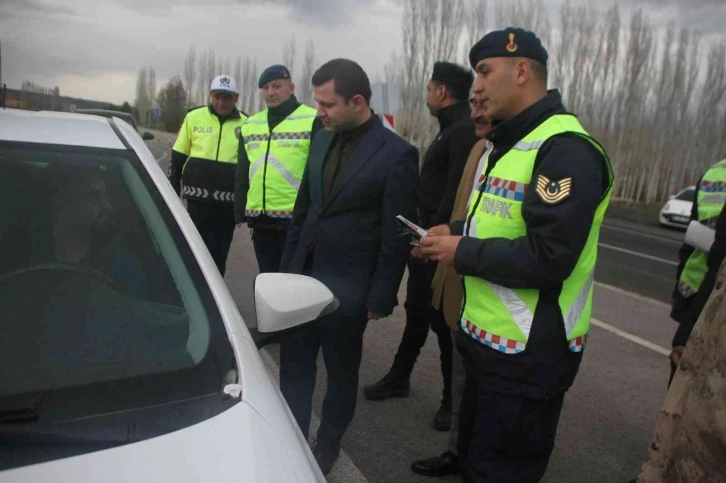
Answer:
(510, 42)
(272, 73)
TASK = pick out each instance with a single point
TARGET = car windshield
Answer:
(104, 309)
(686, 195)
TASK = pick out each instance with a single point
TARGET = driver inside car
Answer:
(82, 231)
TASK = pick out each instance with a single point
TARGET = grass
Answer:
(645, 213)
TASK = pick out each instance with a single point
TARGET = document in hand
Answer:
(700, 236)
(411, 228)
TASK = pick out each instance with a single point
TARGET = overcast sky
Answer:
(94, 48)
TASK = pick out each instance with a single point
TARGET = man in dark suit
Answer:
(359, 176)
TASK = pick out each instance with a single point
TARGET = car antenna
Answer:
(5, 94)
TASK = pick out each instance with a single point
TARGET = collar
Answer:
(284, 109)
(360, 129)
(232, 115)
(452, 113)
(508, 132)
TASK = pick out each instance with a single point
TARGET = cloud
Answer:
(321, 12)
(38, 9)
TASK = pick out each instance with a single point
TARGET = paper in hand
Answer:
(412, 228)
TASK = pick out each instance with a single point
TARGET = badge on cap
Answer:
(552, 192)
(511, 46)
(224, 81)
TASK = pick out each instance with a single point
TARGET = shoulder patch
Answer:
(553, 191)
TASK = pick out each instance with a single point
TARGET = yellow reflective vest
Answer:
(710, 200)
(277, 161)
(211, 147)
(500, 317)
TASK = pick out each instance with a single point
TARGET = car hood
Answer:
(237, 445)
(679, 207)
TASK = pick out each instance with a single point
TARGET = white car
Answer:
(677, 211)
(123, 356)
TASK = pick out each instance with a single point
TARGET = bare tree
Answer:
(212, 71)
(172, 100)
(238, 78)
(190, 74)
(655, 97)
(305, 86)
(142, 103)
(226, 67)
(151, 86)
(475, 20)
(203, 83)
(288, 53)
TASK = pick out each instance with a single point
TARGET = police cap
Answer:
(510, 42)
(272, 73)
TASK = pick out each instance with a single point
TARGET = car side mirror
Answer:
(285, 302)
(148, 136)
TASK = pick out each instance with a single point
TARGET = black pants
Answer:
(502, 438)
(215, 223)
(341, 339)
(420, 316)
(269, 244)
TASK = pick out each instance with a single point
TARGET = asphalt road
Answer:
(609, 413)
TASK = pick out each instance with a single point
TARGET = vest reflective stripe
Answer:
(271, 214)
(204, 193)
(277, 161)
(501, 317)
(711, 198)
(496, 342)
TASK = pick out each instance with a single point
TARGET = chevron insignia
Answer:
(552, 192)
(223, 196)
(195, 192)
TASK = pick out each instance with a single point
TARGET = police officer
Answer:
(527, 251)
(203, 159)
(273, 151)
(708, 203)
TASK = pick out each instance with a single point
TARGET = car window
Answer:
(686, 195)
(98, 287)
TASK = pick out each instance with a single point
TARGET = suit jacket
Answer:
(350, 241)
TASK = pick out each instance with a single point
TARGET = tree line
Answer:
(654, 96)
(191, 87)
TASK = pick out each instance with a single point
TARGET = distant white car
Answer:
(677, 211)
(123, 357)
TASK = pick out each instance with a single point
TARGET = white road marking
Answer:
(640, 233)
(634, 295)
(631, 337)
(638, 254)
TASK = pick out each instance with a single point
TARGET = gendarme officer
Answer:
(527, 251)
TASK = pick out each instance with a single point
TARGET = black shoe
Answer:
(442, 419)
(446, 464)
(390, 386)
(324, 458)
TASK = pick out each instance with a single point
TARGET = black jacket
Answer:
(275, 115)
(349, 240)
(715, 257)
(543, 259)
(444, 163)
